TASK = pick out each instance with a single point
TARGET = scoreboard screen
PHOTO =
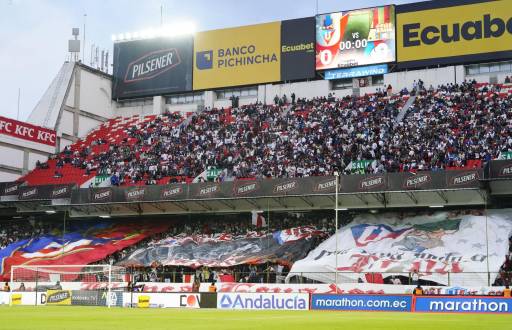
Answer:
(354, 38)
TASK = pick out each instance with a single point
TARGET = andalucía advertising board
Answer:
(263, 301)
(354, 38)
(388, 303)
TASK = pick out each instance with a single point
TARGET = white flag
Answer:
(258, 220)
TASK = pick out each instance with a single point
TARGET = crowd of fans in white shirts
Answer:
(446, 127)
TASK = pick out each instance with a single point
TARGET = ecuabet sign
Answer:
(451, 32)
(27, 131)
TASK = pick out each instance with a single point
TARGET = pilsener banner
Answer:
(451, 32)
(152, 67)
(456, 242)
(237, 56)
(298, 49)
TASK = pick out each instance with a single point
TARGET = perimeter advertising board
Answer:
(263, 301)
(237, 56)
(453, 32)
(152, 67)
(354, 38)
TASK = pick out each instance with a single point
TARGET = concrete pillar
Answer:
(76, 102)
(158, 105)
(209, 99)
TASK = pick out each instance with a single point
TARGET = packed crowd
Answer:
(451, 126)
(447, 126)
(15, 230)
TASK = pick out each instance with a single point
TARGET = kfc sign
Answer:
(27, 131)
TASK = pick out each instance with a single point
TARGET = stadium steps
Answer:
(405, 108)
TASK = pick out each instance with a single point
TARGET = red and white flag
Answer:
(257, 219)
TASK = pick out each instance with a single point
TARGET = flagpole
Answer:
(336, 232)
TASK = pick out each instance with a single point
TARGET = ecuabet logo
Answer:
(204, 60)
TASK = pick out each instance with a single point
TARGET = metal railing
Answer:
(447, 278)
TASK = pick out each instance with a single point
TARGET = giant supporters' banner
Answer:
(454, 242)
(225, 250)
(237, 56)
(354, 38)
(28, 132)
(452, 32)
(85, 244)
(152, 67)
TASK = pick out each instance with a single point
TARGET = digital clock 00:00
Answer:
(359, 43)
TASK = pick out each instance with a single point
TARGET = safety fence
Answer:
(273, 275)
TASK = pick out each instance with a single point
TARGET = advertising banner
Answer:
(354, 38)
(263, 301)
(143, 301)
(457, 304)
(85, 298)
(360, 302)
(226, 250)
(112, 298)
(164, 300)
(26, 131)
(433, 244)
(452, 32)
(298, 49)
(152, 67)
(58, 297)
(44, 192)
(237, 56)
(362, 71)
(16, 298)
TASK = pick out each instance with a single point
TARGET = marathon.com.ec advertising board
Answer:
(152, 67)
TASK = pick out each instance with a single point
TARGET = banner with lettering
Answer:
(396, 244)
(28, 132)
(225, 250)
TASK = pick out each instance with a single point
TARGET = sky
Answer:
(34, 34)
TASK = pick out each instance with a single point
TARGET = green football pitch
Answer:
(75, 318)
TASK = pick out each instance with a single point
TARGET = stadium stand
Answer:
(316, 137)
